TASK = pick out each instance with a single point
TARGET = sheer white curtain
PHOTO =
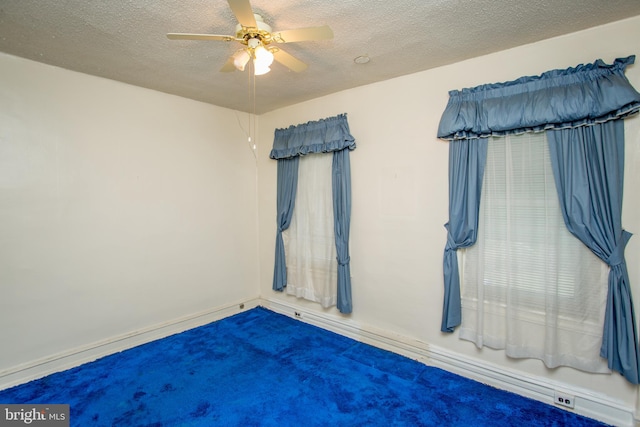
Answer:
(528, 286)
(312, 267)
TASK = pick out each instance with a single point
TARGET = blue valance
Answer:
(558, 99)
(321, 136)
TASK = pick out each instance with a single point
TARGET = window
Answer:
(528, 286)
(312, 267)
(291, 147)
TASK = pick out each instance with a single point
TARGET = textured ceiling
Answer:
(125, 40)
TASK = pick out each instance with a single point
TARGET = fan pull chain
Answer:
(254, 111)
(251, 139)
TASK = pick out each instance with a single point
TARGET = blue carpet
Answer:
(259, 368)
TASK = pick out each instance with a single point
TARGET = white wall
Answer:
(120, 208)
(400, 194)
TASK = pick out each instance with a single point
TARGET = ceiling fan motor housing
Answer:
(262, 32)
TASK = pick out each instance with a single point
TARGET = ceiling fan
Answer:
(257, 37)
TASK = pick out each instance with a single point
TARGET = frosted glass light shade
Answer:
(263, 56)
(240, 59)
(260, 69)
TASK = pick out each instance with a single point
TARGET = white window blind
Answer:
(528, 286)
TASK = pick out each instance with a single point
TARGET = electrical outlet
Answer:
(563, 399)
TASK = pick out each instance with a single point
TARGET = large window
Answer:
(581, 110)
(528, 286)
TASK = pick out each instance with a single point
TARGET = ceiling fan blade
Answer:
(243, 12)
(303, 34)
(187, 36)
(228, 66)
(289, 61)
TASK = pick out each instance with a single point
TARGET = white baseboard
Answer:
(587, 403)
(77, 356)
